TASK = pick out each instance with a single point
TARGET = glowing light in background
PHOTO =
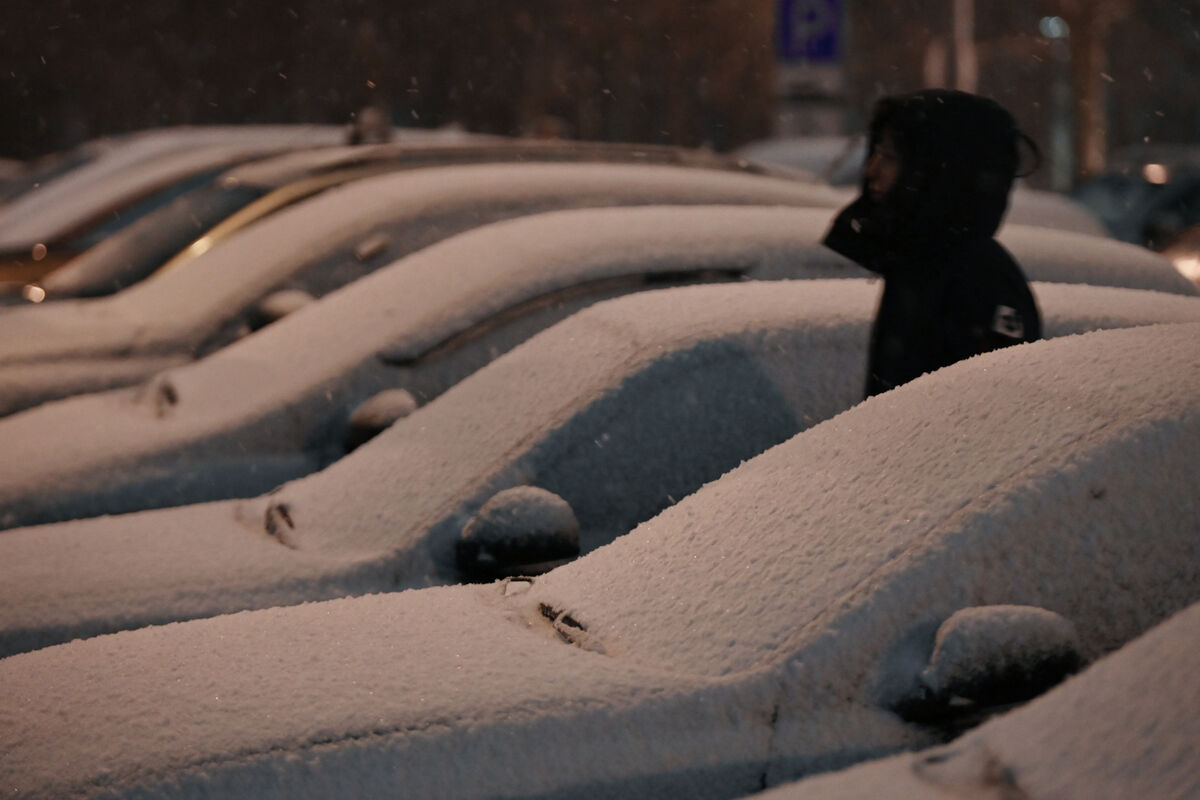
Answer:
(1155, 173)
(200, 246)
(1189, 266)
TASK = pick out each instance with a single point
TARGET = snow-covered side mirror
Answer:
(985, 657)
(377, 413)
(519, 531)
(278, 305)
(372, 246)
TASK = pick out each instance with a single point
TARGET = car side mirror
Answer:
(524, 530)
(989, 657)
(278, 305)
(377, 413)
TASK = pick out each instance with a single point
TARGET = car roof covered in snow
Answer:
(1062, 256)
(705, 648)
(139, 163)
(466, 147)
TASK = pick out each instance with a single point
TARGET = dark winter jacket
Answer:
(951, 290)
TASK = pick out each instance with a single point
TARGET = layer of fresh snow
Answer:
(466, 148)
(984, 642)
(286, 392)
(144, 163)
(1127, 727)
(734, 641)
(388, 514)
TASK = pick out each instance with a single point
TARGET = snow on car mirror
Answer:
(377, 413)
(524, 530)
(372, 246)
(278, 305)
(988, 657)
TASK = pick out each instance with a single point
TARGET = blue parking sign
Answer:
(810, 31)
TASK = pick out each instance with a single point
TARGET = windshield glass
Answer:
(131, 254)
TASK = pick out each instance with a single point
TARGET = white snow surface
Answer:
(1127, 727)
(447, 147)
(272, 394)
(145, 163)
(522, 510)
(732, 640)
(180, 308)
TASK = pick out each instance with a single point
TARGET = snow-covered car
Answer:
(316, 246)
(176, 234)
(838, 160)
(43, 227)
(279, 404)
(1148, 194)
(618, 411)
(1124, 728)
(765, 627)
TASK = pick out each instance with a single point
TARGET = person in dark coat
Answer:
(935, 187)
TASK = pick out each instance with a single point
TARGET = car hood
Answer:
(412, 687)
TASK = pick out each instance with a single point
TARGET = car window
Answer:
(134, 252)
(475, 345)
(91, 234)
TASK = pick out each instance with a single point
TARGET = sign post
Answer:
(809, 50)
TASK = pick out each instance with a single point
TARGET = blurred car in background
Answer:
(196, 222)
(34, 173)
(1148, 195)
(316, 246)
(780, 621)
(64, 215)
(1124, 728)
(1184, 253)
(838, 160)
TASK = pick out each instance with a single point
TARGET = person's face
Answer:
(883, 165)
